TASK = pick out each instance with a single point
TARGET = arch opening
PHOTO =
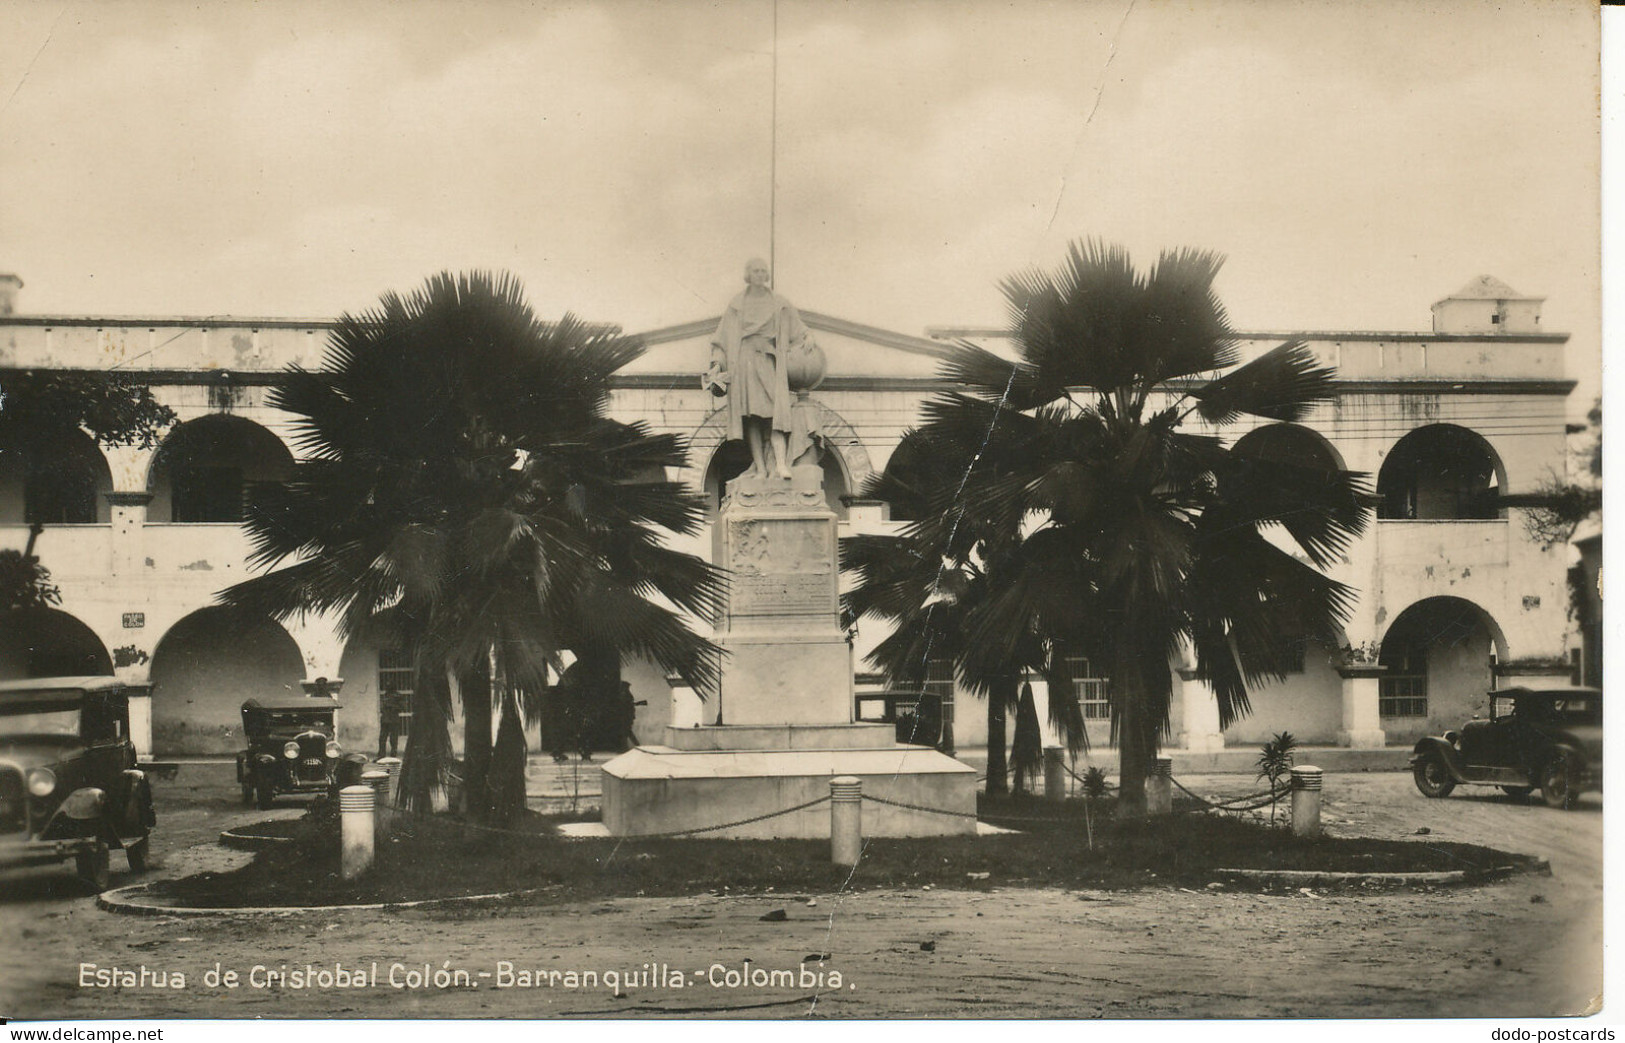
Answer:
(62, 481)
(202, 469)
(732, 458)
(1439, 472)
(47, 642)
(203, 669)
(1438, 658)
(1290, 444)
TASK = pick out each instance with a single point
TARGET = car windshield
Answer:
(298, 722)
(39, 720)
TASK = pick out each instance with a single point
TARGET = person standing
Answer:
(626, 712)
(390, 707)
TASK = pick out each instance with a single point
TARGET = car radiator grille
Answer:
(13, 801)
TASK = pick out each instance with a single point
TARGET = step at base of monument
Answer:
(656, 789)
(733, 737)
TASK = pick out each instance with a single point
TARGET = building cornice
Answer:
(204, 322)
(933, 343)
(944, 333)
(815, 321)
(690, 381)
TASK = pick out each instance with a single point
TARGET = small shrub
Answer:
(1274, 761)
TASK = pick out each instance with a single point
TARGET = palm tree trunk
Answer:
(507, 777)
(428, 744)
(998, 702)
(474, 684)
(1134, 761)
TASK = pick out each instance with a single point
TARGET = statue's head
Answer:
(757, 273)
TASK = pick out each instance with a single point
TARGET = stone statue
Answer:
(750, 362)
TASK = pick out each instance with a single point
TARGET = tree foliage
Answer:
(38, 409)
(463, 493)
(1083, 484)
(25, 583)
(116, 408)
(1557, 507)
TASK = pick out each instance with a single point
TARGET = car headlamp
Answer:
(333, 748)
(41, 781)
(290, 749)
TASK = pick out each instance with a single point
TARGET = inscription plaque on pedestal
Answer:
(792, 594)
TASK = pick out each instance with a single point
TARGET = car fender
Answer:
(83, 813)
(139, 814)
(1575, 755)
(1445, 751)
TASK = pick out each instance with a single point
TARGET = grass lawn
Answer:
(1072, 847)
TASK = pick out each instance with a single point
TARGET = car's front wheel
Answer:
(264, 795)
(95, 867)
(1433, 776)
(1557, 785)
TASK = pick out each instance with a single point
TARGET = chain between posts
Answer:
(1235, 803)
(1229, 805)
(919, 807)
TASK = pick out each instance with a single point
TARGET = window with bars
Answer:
(1403, 690)
(395, 670)
(1292, 651)
(939, 680)
(1092, 691)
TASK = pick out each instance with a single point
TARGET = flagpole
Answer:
(773, 160)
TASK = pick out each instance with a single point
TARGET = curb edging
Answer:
(127, 901)
(250, 841)
(1311, 877)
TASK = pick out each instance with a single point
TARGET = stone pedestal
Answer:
(1362, 724)
(787, 658)
(782, 723)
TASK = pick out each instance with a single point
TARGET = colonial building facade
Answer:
(1453, 597)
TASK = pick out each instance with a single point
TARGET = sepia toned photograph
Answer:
(778, 509)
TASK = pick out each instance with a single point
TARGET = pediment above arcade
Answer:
(850, 349)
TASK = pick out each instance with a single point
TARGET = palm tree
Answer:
(1135, 536)
(930, 576)
(462, 491)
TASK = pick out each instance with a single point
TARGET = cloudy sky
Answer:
(1355, 162)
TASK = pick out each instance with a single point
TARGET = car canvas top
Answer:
(36, 689)
(285, 704)
(1560, 691)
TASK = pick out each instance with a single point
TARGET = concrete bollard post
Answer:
(393, 766)
(1306, 783)
(1159, 787)
(845, 819)
(356, 845)
(379, 781)
(1054, 774)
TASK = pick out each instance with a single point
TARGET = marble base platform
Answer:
(660, 789)
(737, 737)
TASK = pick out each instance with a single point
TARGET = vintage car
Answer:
(292, 748)
(69, 783)
(1547, 737)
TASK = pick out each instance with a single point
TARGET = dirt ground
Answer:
(1524, 947)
